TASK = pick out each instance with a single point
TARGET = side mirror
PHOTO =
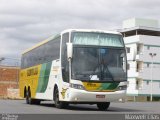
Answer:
(122, 55)
(69, 50)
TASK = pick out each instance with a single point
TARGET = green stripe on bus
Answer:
(113, 86)
(108, 86)
(44, 77)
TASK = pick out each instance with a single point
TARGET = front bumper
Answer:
(75, 95)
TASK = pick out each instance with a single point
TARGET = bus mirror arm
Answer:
(69, 50)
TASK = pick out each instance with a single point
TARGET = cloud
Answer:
(24, 23)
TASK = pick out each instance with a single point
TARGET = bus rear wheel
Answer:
(59, 104)
(29, 100)
(28, 97)
(103, 106)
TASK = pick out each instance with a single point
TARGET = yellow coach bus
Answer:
(77, 66)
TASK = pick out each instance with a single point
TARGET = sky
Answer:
(23, 23)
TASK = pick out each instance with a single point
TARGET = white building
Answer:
(142, 38)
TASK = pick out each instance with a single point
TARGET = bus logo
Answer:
(63, 92)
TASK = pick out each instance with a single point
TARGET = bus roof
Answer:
(70, 30)
(90, 30)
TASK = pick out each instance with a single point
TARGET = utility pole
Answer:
(151, 90)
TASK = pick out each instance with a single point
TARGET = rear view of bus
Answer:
(95, 68)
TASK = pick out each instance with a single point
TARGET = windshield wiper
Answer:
(108, 72)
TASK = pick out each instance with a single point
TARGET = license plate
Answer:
(100, 96)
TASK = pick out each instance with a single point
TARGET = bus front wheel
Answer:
(103, 106)
(59, 104)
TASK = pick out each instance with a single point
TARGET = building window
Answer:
(128, 66)
(139, 66)
(139, 83)
(147, 82)
(128, 49)
(139, 48)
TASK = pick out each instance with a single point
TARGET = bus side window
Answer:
(64, 60)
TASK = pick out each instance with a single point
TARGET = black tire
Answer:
(28, 97)
(59, 104)
(103, 106)
(38, 102)
(29, 100)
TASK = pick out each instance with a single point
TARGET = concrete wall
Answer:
(134, 22)
(149, 44)
(4, 87)
(146, 89)
(132, 90)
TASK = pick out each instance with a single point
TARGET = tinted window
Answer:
(42, 54)
(65, 64)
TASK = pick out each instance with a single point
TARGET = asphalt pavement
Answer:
(47, 107)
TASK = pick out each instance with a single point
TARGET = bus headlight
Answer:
(124, 87)
(77, 86)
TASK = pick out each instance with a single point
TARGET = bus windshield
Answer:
(98, 63)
